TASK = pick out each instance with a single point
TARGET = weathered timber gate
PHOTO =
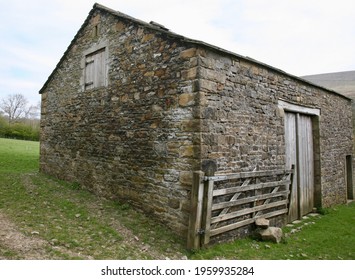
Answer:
(230, 201)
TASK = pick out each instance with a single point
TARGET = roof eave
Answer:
(180, 37)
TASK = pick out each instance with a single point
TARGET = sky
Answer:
(301, 37)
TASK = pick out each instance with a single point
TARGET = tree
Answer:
(15, 107)
(23, 120)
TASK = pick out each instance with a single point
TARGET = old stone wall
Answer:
(244, 128)
(134, 139)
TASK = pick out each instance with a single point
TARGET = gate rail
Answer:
(227, 202)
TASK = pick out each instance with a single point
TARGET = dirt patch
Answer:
(16, 243)
(54, 221)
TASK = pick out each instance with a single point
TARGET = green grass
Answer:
(325, 237)
(78, 221)
(18, 156)
(75, 224)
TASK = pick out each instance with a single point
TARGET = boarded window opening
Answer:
(95, 32)
(95, 69)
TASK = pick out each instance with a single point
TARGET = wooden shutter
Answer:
(89, 72)
(95, 69)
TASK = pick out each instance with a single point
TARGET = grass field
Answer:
(65, 222)
(50, 219)
(18, 156)
(325, 237)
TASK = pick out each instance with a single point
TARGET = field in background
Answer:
(17, 156)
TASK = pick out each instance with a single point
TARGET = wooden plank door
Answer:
(305, 164)
(299, 151)
(291, 158)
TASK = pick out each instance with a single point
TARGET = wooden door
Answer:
(305, 164)
(299, 151)
(291, 158)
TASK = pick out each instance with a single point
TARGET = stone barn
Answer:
(137, 113)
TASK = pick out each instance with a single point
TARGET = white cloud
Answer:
(299, 36)
(26, 58)
(21, 85)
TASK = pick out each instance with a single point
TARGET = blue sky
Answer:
(301, 37)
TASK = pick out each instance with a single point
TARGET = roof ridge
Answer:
(162, 29)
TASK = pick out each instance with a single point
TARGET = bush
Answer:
(20, 131)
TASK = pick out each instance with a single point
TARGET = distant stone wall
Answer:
(243, 127)
(134, 139)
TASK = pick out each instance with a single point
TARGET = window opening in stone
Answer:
(96, 31)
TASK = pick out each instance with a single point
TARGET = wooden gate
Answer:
(227, 202)
(299, 152)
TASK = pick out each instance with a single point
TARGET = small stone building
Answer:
(132, 109)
